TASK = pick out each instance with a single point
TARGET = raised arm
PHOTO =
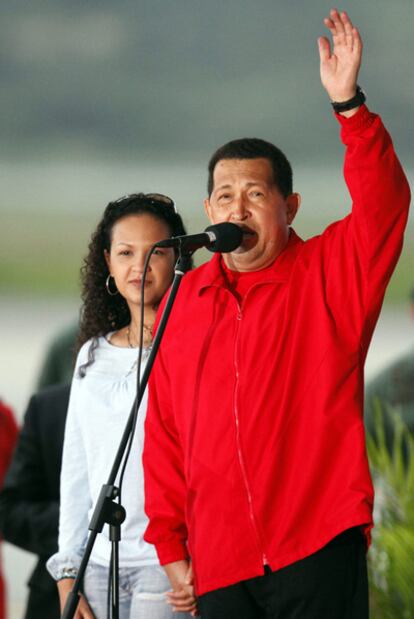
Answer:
(360, 252)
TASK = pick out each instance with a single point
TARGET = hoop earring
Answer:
(108, 289)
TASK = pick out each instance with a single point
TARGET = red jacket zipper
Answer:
(239, 451)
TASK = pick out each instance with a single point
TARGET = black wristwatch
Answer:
(344, 106)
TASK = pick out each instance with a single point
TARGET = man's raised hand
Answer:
(340, 65)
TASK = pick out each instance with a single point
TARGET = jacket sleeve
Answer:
(165, 487)
(28, 517)
(361, 251)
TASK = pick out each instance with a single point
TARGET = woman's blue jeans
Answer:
(141, 592)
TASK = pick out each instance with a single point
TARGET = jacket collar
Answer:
(212, 274)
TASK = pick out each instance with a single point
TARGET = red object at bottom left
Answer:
(8, 437)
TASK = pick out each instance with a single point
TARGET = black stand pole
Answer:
(107, 510)
(115, 536)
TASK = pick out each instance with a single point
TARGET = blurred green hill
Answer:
(43, 255)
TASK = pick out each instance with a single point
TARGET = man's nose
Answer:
(239, 211)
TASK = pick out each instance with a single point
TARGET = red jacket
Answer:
(255, 448)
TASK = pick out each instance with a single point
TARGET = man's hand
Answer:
(339, 67)
(83, 610)
(181, 598)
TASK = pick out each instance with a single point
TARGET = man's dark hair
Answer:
(254, 148)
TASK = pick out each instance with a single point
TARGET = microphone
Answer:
(221, 238)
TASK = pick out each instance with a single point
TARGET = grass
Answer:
(41, 253)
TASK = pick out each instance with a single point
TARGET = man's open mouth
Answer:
(247, 231)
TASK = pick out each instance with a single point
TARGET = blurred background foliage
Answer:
(391, 562)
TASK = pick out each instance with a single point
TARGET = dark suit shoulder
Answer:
(52, 398)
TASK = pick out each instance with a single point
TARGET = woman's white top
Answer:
(99, 406)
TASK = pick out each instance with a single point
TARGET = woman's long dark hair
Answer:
(100, 311)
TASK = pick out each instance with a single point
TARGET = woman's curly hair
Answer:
(100, 311)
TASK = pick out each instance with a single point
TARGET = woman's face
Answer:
(132, 237)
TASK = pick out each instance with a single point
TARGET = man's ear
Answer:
(292, 206)
(207, 209)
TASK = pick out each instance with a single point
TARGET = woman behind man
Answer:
(102, 393)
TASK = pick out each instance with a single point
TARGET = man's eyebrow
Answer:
(226, 186)
(249, 184)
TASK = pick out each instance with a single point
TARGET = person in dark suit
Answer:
(29, 500)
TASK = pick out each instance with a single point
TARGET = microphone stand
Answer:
(107, 510)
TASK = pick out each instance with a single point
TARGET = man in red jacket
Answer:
(255, 460)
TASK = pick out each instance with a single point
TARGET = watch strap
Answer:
(356, 101)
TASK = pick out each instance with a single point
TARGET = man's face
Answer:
(245, 193)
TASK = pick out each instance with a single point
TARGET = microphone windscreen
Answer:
(228, 237)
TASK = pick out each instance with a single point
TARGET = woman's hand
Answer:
(83, 610)
(182, 597)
